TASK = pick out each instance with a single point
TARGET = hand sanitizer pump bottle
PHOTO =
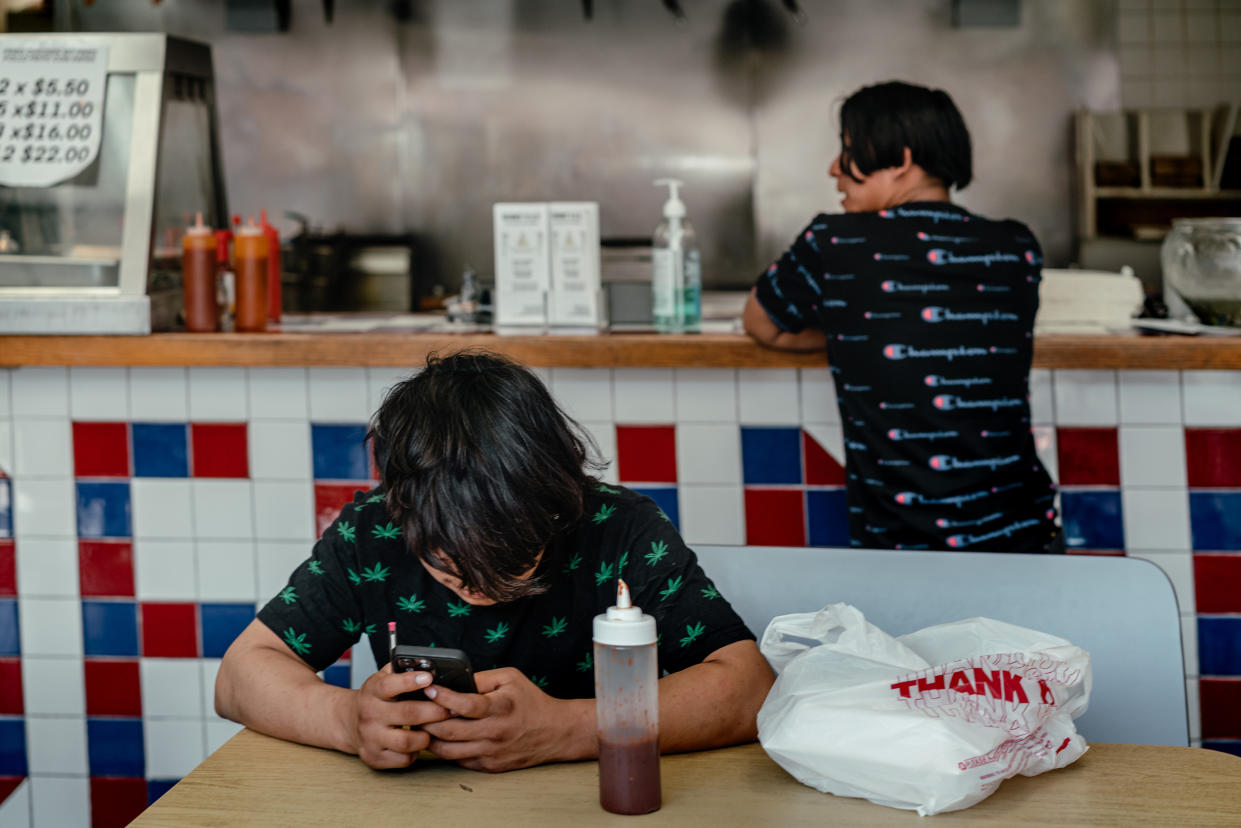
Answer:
(676, 277)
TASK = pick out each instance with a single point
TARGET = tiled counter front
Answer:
(145, 511)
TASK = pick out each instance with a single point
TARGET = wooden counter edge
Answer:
(1119, 351)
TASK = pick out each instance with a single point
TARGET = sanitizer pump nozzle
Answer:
(676, 277)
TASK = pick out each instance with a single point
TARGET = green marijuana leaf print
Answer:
(497, 633)
(673, 585)
(388, 531)
(353, 576)
(297, 643)
(374, 499)
(376, 573)
(658, 550)
(458, 609)
(604, 574)
(555, 628)
(624, 559)
(573, 564)
(692, 633)
(608, 489)
(350, 626)
(370, 630)
(664, 515)
(710, 592)
(411, 604)
(288, 595)
(605, 512)
(347, 531)
(539, 682)
(315, 567)
(586, 663)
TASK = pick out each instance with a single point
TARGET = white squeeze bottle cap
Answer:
(673, 207)
(624, 625)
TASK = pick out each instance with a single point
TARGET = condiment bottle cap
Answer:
(624, 625)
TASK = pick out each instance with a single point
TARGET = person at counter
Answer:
(926, 313)
(488, 534)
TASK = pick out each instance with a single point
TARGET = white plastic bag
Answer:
(931, 721)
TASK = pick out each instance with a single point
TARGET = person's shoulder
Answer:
(365, 518)
(611, 508)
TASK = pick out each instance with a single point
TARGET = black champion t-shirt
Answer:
(361, 575)
(928, 311)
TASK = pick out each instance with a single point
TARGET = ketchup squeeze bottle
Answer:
(250, 265)
(198, 282)
(274, 299)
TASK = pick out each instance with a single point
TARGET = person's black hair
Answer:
(480, 468)
(880, 121)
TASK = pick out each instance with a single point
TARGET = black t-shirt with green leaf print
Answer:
(361, 575)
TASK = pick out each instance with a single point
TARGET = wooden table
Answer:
(258, 780)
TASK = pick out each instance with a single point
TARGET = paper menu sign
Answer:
(521, 252)
(51, 109)
(575, 263)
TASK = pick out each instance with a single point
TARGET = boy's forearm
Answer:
(714, 703)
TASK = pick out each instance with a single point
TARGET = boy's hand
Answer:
(378, 736)
(510, 723)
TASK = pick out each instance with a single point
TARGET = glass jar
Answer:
(1202, 266)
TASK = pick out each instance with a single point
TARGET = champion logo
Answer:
(837, 277)
(946, 462)
(994, 288)
(911, 498)
(936, 314)
(852, 337)
(986, 433)
(911, 352)
(892, 286)
(882, 315)
(951, 402)
(835, 303)
(945, 523)
(891, 257)
(893, 406)
(928, 237)
(771, 270)
(936, 256)
(958, 541)
(937, 381)
(936, 216)
(1033, 258)
(847, 240)
(902, 434)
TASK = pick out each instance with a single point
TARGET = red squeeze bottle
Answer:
(250, 265)
(198, 277)
(274, 301)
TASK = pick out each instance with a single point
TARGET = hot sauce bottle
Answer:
(250, 265)
(198, 282)
(627, 705)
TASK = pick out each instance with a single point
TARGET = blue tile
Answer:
(158, 787)
(1224, 745)
(1215, 520)
(771, 455)
(827, 517)
(337, 674)
(665, 498)
(10, 636)
(103, 510)
(160, 450)
(1219, 646)
(114, 747)
(220, 624)
(110, 628)
(6, 508)
(12, 747)
(1092, 519)
(339, 452)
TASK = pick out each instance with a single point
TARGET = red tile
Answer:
(821, 468)
(1220, 702)
(112, 687)
(330, 498)
(1217, 583)
(1088, 456)
(11, 687)
(8, 784)
(1213, 457)
(116, 802)
(8, 567)
(775, 517)
(101, 449)
(219, 450)
(169, 630)
(646, 454)
(106, 568)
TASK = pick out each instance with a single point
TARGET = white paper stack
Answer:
(1087, 301)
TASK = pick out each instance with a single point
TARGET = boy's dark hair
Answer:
(881, 120)
(480, 468)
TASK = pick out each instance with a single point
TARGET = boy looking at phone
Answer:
(488, 534)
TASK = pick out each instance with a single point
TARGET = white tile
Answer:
(643, 395)
(1179, 567)
(361, 664)
(209, 668)
(1212, 398)
(162, 508)
(379, 381)
(7, 453)
(279, 450)
(44, 508)
(706, 395)
(583, 393)
(60, 801)
(278, 393)
(53, 686)
(42, 448)
(1195, 709)
(15, 810)
(56, 745)
(50, 626)
(1189, 643)
(1152, 456)
(1045, 447)
(1085, 397)
(223, 509)
(6, 396)
(159, 395)
(768, 396)
(217, 394)
(47, 568)
(544, 373)
(1134, 28)
(339, 395)
(712, 514)
(1150, 397)
(164, 570)
(41, 392)
(220, 731)
(1042, 406)
(173, 748)
(283, 511)
(604, 435)
(708, 453)
(1156, 519)
(226, 570)
(171, 687)
(831, 438)
(276, 562)
(818, 396)
(99, 394)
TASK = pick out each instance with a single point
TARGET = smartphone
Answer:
(448, 668)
